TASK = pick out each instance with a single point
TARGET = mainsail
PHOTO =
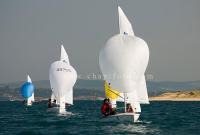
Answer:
(123, 62)
(32, 98)
(62, 79)
(29, 79)
(63, 55)
(125, 26)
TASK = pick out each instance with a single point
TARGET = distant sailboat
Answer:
(62, 78)
(123, 62)
(27, 91)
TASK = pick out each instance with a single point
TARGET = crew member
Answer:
(106, 108)
(129, 108)
(49, 103)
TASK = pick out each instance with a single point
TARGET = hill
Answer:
(191, 95)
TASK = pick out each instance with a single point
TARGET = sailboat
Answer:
(27, 91)
(62, 78)
(123, 62)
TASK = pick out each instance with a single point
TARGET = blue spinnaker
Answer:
(27, 89)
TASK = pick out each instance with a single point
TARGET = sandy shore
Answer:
(193, 95)
(173, 99)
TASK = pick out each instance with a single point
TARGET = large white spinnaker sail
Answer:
(62, 79)
(142, 91)
(123, 61)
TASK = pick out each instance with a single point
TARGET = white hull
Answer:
(30, 100)
(130, 117)
(29, 103)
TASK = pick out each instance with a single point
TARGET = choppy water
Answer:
(158, 118)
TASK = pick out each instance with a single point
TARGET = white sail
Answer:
(136, 107)
(63, 55)
(123, 61)
(125, 26)
(32, 98)
(142, 91)
(132, 98)
(62, 104)
(52, 97)
(29, 101)
(29, 79)
(69, 97)
(62, 79)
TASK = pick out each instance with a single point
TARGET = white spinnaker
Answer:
(62, 79)
(68, 99)
(125, 26)
(123, 61)
(142, 91)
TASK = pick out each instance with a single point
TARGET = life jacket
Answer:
(105, 109)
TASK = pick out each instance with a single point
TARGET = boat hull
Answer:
(130, 117)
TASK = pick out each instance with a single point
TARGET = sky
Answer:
(31, 32)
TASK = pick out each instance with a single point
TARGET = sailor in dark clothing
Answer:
(54, 101)
(106, 109)
(49, 103)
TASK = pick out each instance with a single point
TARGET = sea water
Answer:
(157, 118)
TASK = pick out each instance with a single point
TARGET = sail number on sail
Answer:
(63, 69)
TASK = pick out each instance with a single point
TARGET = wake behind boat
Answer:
(123, 62)
(62, 78)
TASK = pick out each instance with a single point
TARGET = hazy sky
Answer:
(31, 32)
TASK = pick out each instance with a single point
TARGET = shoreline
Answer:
(154, 99)
(173, 99)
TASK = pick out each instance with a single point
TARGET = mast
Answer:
(125, 102)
